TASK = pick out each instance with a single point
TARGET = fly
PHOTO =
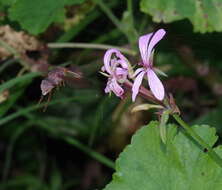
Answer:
(57, 78)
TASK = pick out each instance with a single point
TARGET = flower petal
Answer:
(137, 71)
(107, 59)
(158, 35)
(116, 88)
(147, 43)
(123, 63)
(143, 46)
(136, 85)
(107, 89)
(103, 69)
(120, 74)
(155, 84)
(120, 71)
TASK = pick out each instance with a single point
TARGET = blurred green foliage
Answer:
(73, 143)
(36, 16)
(205, 15)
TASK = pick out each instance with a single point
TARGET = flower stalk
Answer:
(214, 156)
(112, 17)
(143, 92)
(90, 46)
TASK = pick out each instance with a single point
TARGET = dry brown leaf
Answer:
(20, 41)
(4, 96)
(126, 126)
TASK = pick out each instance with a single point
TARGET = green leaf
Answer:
(213, 118)
(127, 24)
(147, 163)
(36, 16)
(205, 15)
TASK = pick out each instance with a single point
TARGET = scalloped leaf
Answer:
(147, 163)
(35, 15)
(205, 15)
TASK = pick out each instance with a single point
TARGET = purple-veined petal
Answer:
(120, 55)
(107, 89)
(158, 35)
(113, 86)
(155, 84)
(107, 60)
(136, 85)
(123, 63)
(120, 71)
(103, 69)
(121, 74)
(108, 57)
(137, 71)
(116, 88)
(143, 46)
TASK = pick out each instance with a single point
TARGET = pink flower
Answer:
(146, 45)
(117, 69)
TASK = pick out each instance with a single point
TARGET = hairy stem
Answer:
(34, 107)
(6, 64)
(197, 138)
(90, 46)
(96, 155)
(144, 93)
(76, 143)
(109, 13)
(113, 18)
(130, 9)
(14, 52)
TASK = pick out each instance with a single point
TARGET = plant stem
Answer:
(14, 52)
(143, 92)
(76, 143)
(6, 64)
(9, 48)
(72, 141)
(15, 81)
(34, 107)
(143, 23)
(130, 10)
(10, 148)
(90, 152)
(90, 46)
(113, 18)
(76, 29)
(109, 13)
(196, 137)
